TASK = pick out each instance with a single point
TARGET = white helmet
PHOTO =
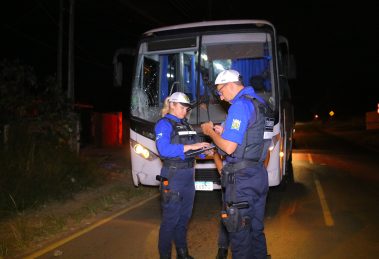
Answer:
(179, 97)
(227, 76)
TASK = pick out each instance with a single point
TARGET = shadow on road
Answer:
(283, 195)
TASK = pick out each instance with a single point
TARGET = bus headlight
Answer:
(142, 151)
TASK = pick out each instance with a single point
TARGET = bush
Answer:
(37, 167)
(37, 160)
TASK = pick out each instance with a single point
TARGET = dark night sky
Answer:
(335, 44)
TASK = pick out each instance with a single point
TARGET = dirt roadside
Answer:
(34, 229)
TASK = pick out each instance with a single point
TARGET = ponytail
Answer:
(166, 107)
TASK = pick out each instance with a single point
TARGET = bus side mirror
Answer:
(117, 74)
(118, 66)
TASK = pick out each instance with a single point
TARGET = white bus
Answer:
(187, 58)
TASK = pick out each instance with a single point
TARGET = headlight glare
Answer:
(142, 151)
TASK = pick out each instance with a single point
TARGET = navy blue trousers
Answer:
(223, 237)
(251, 186)
(176, 210)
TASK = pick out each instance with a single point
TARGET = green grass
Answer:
(36, 168)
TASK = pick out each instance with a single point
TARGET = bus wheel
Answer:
(289, 172)
(288, 178)
(290, 159)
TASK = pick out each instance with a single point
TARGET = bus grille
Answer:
(207, 175)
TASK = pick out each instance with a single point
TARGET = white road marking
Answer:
(328, 218)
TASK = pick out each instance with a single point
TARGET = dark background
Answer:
(335, 44)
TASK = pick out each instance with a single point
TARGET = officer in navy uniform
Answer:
(244, 177)
(174, 137)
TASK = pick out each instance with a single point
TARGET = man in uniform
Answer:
(244, 177)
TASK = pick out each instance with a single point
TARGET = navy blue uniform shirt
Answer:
(239, 115)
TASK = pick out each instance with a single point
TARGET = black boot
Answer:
(222, 253)
(182, 253)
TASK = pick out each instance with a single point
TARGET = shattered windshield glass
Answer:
(162, 70)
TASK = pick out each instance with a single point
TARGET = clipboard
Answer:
(198, 151)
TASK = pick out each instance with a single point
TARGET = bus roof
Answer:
(205, 24)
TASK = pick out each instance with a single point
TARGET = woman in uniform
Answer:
(174, 137)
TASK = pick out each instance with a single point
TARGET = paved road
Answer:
(330, 211)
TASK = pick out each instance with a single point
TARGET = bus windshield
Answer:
(191, 64)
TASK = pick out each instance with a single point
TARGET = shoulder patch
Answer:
(236, 124)
(159, 135)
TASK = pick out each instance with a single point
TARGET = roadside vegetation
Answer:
(40, 163)
(33, 228)
(38, 159)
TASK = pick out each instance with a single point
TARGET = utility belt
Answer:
(236, 166)
(229, 171)
(178, 164)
